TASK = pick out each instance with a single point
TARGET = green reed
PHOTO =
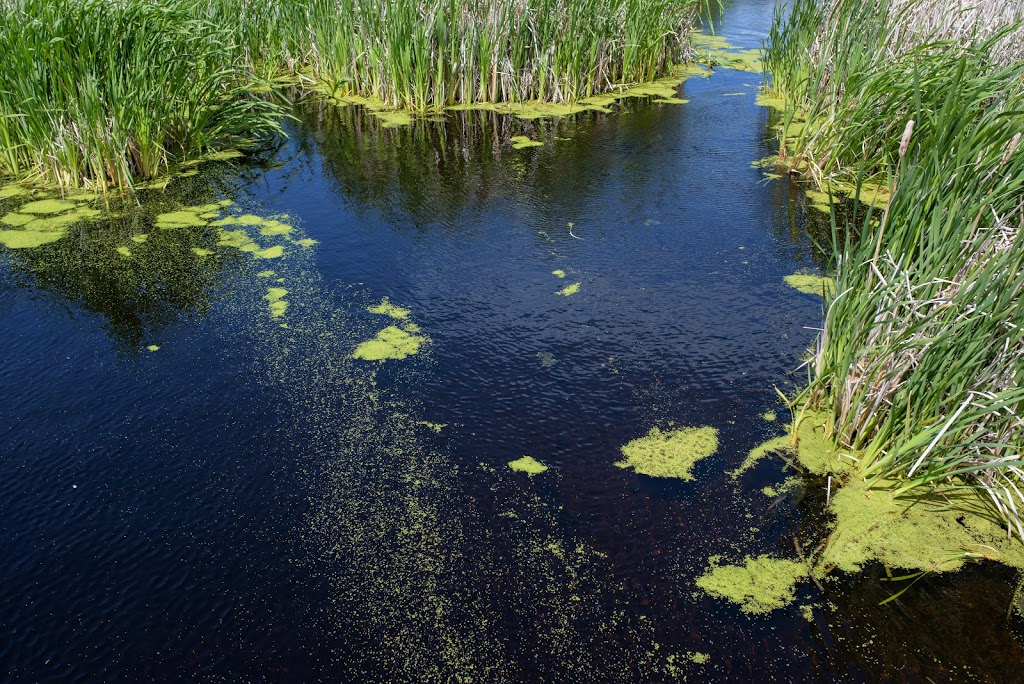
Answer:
(428, 54)
(108, 94)
(921, 360)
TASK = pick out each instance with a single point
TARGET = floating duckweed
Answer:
(17, 220)
(435, 427)
(520, 142)
(547, 359)
(276, 302)
(199, 251)
(209, 215)
(671, 100)
(223, 155)
(270, 252)
(569, 290)
(811, 284)
(528, 465)
(153, 347)
(11, 190)
(390, 343)
(410, 327)
(55, 223)
(250, 247)
(765, 99)
(179, 219)
(393, 119)
(265, 274)
(233, 238)
(124, 251)
(386, 308)
(273, 228)
(698, 657)
(558, 273)
(50, 206)
(759, 586)
(669, 454)
(769, 416)
(778, 444)
(140, 238)
(305, 242)
(28, 239)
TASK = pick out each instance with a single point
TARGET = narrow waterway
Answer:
(197, 483)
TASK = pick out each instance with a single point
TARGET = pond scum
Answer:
(193, 77)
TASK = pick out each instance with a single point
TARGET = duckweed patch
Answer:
(569, 290)
(386, 308)
(153, 347)
(390, 343)
(140, 238)
(265, 274)
(528, 465)
(16, 220)
(769, 416)
(520, 142)
(670, 453)
(811, 284)
(47, 206)
(179, 219)
(200, 252)
(276, 302)
(28, 239)
(11, 190)
(558, 273)
(275, 252)
(124, 251)
(759, 586)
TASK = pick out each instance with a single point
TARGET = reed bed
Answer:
(921, 360)
(430, 54)
(108, 94)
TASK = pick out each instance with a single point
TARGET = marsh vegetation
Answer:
(913, 108)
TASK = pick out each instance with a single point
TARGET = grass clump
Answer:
(920, 365)
(108, 95)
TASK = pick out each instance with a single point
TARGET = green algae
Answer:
(28, 239)
(670, 453)
(274, 252)
(153, 347)
(200, 252)
(305, 242)
(698, 657)
(48, 206)
(558, 273)
(811, 284)
(569, 290)
(393, 119)
(179, 219)
(769, 416)
(390, 343)
(759, 586)
(528, 465)
(274, 228)
(774, 445)
(11, 190)
(140, 238)
(386, 308)
(265, 274)
(276, 302)
(222, 155)
(433, 427)
(16, 220)
(520, 142)
(124, 251)
(233, 238)
(767, 99)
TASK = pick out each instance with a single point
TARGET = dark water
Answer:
(250, 503)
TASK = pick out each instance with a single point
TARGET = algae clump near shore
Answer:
(759, 586)
(670, 453)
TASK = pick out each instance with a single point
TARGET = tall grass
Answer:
(106, 94)
(428, 54)
(921, 361)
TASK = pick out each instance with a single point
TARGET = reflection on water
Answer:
(251, 501)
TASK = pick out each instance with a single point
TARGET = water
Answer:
(250, 503)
